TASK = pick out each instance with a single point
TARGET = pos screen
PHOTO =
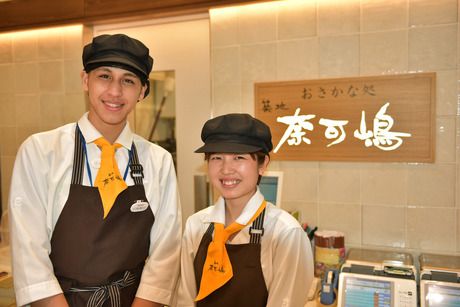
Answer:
(360, 292)
(441, 295)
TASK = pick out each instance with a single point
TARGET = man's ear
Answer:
(84, 80)
(142, 93)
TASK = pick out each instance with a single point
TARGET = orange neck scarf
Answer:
(217, 269)
(108, 180)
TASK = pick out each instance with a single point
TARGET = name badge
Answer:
(139, 206)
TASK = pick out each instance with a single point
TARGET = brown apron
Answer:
(247, 287)
(98, 261)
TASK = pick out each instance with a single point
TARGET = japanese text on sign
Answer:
(385, 118)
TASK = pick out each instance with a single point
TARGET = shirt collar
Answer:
(217, 214)
(90, 133)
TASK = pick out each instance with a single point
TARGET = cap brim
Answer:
(117, 59)
(227, 148)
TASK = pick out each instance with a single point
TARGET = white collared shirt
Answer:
(39, 190)
(286, 256)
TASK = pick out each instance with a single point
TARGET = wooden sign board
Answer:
(371, 119)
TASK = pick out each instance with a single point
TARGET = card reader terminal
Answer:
(439, 280)
(377, 278)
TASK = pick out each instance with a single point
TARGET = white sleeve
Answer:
(187, 285)
(33, 273)
(161, 270)
(292, 269)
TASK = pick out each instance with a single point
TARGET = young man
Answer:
(242, 251)
(94, 208)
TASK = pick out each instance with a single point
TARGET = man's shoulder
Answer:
(49, 138)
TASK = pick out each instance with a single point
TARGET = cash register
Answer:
(439, 280)
(377, 278)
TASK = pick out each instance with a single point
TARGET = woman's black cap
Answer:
(119, 50)
(235, 133)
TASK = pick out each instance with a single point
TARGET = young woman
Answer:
(243, 250)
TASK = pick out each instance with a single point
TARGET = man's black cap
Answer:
(121, 51)
(235, 133)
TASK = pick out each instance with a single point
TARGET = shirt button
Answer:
(96, 163)
(18, 201)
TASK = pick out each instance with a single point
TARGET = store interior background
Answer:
(217, 57)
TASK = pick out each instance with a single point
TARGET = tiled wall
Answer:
(415, 207)
(40, 88)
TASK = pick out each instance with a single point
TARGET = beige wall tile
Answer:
(257, 23)
(340, 217)
(26, 78)
(296, 19)
(6, 49)
(50, 47)
(431, 185)
(338, 17)
(73, 107)
(446, 92)
(224, 69)
(258, 62)
(458, 230)
(72, 77)
(430, 229)
(308, 211)
(226, 99)
(339, 56)
(50, 110)
(27, 110)
(339, 182)
(433, 48)
(428, 12)
(224, 30)
(247, 98)
(384, 184)
(445, 133)
(384, 226)
(7, 84)
(25, 47)
(384, 52)
(7, 109)
(300, 181)
(8, 141)
(72, 42)
(7, 163)
(51, 76)
(380, 15)
(298, 59)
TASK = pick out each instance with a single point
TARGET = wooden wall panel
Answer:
(22, 14)
(26, 14)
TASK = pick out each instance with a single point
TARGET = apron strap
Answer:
(256, 230)
(105, 292)
(78, 158)
(137, 171)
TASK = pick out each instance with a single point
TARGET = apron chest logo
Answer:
(139, 206)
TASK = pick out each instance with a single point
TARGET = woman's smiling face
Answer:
(235, 176)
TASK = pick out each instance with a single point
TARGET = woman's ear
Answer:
(264, 165)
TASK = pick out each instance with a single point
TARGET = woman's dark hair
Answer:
(258, 156)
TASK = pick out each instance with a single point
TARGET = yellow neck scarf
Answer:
(217, 269)
(108, 180)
